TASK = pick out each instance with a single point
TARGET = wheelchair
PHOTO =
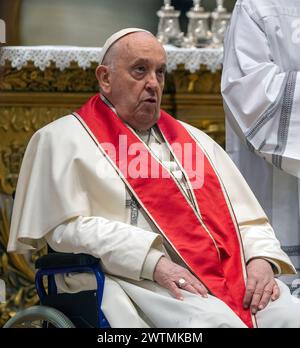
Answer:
(64, 310)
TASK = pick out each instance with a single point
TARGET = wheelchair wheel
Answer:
(39, 317)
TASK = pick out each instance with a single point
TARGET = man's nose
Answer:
(152, 82)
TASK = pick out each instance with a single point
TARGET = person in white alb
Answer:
(179, 234)
(261, 91)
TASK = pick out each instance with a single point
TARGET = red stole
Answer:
(209, 245)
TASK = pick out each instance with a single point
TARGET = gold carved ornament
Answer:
(16, 271)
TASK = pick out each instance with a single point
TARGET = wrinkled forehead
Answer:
(140, 45)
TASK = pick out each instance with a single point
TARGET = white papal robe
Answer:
(64, 198)
(261, 91)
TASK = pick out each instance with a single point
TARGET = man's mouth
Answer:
(150, 100)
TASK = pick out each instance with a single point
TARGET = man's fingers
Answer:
(271, 291)
(175, 291)
(265, 299)
(250, 288)
(276, 292)
(260, 285)
(201, 289)
(190, 288)
(174, 278)
(256, 298)
(196, 289)
(193, 285)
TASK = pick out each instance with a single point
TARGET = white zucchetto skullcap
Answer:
(115, 37)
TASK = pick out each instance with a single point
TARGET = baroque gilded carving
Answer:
(28, 119)
(16, 271)
(17, 124)
(75, 79)
(29, 78)
(11, 157)
(215, 129)
(203, 81)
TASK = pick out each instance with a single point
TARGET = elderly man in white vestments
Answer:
(181, 238)
(261, 91)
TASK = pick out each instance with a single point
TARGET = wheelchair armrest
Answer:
(57, 263)
(63, 260)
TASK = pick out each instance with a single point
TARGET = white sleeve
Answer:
(257, 235)
(262, 103)
(124, 250)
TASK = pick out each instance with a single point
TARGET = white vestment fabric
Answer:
(261, 91)
(69, 195)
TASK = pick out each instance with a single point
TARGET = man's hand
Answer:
(261, 285)
(167, 274)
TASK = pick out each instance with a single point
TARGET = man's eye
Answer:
(161, 72)
(140, 69)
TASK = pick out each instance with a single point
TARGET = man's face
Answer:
(137, 80)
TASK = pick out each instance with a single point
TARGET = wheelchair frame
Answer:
(61, 263)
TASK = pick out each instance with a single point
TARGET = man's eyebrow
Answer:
(140, 60)
(146, 61)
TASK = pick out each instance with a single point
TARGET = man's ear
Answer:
(103, 77)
